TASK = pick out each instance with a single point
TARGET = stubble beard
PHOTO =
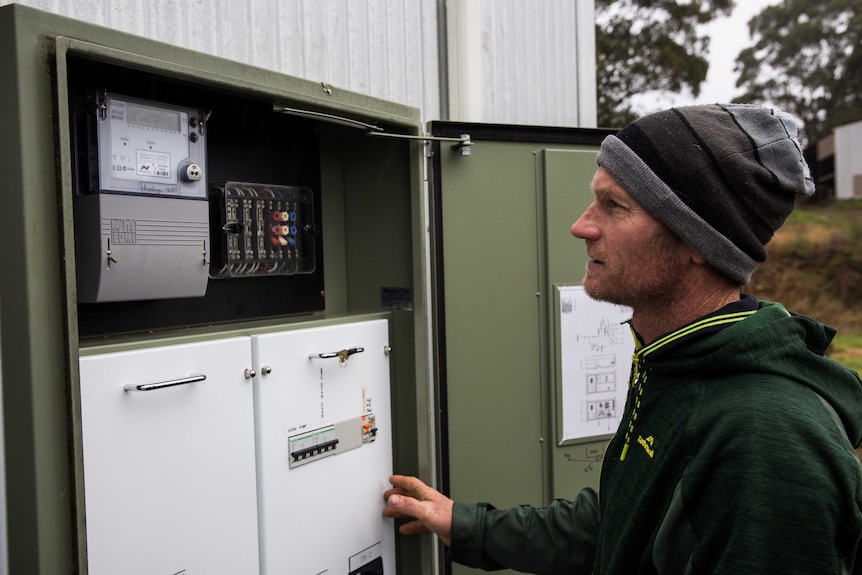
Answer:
(649, 276)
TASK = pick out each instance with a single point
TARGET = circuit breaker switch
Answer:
(332, 439)
(314, 450)
(369, 428)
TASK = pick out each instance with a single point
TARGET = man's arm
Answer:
(552, 540)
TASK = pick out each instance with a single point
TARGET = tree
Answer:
(807, 60)
(646, 45)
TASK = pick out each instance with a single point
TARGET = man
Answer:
(735, 452)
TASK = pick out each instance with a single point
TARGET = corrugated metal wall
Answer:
(382, 48)
(538, 62)
(537, 56)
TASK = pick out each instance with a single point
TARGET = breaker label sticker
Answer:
(153, 164)
(161, 189)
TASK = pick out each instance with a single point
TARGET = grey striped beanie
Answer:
(722, 177)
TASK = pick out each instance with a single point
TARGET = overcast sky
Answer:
(728, 37)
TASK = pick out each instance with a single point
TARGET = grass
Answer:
(815, 268)
(848, 350)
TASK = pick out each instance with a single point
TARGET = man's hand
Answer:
(430, 510)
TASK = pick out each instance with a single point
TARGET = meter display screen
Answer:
(150, 148)
(147, 117)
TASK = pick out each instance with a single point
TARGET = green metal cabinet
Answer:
(501, 244)
(371, 211)
(474, 363)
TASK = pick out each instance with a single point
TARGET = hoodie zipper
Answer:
(639, 373)
(636, 391)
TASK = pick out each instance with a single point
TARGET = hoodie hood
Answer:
(771, 341)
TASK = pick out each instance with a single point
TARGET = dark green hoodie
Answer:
(735, 455)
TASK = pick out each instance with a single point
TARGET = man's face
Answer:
(634, 258)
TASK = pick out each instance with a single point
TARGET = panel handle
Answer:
(340, 355)
(163, 384)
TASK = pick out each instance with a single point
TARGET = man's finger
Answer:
(405, 506)
(405, 485)
(412, 528)
(395, 508)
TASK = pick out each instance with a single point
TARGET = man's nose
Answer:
(583, 227)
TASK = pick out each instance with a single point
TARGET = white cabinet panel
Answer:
(170, 473)
(322, 468)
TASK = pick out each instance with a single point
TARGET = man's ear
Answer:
(697, 258)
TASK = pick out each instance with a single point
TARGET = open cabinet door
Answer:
(501, 249)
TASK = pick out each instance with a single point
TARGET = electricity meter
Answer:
(141, 210)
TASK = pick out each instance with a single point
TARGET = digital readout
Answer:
(147, 117)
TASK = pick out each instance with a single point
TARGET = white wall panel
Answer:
(126, 15)
(170, 18)
(169, 473)
(538, 60)
(529, 70)
(358, 55)
(202, 34)
(848, 161)
(233, 30)
(382, 48)
(290, 47)
(262, 32)
(313, 520)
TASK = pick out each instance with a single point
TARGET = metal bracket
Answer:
(350, 122)
(462, 144)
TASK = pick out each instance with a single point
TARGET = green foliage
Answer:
(815, 264)
(644, 45)
(806, 60)
(815, 268)
(835, 265)
(839, 215)
(847, 349)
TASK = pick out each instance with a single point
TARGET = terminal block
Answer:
(261, 229)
